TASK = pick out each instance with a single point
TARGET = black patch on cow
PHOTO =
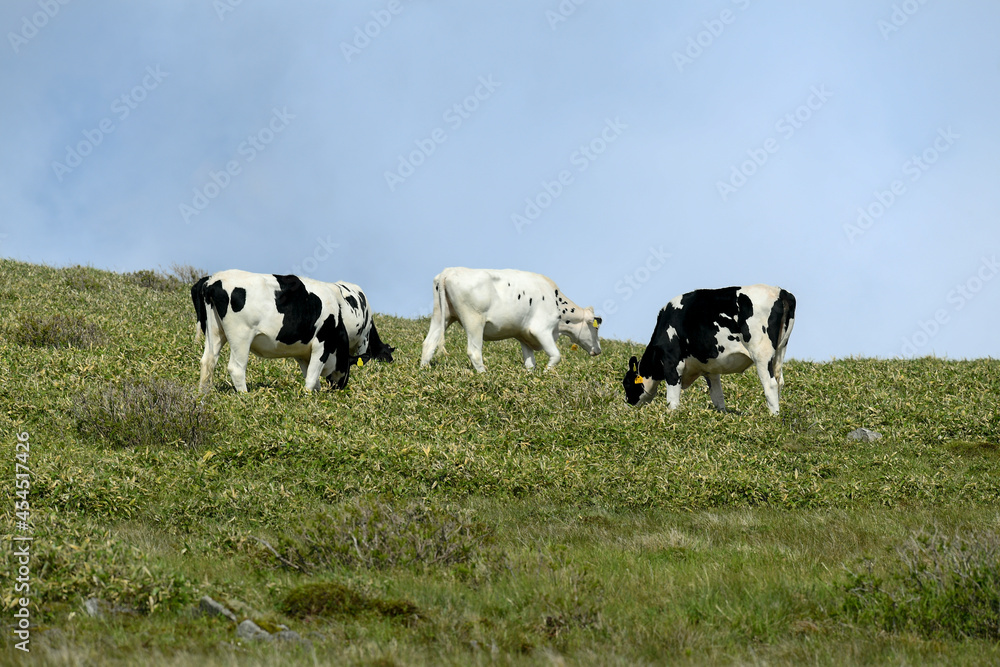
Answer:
(529, 301)
(746, 312)
(633, 391)
(364, 302)
(238, 299)
(301, 310)
(782, 310)
(697, 320)
(518, 297)
(351, 300)
(333, 337)
(198, 297)
(217, 296)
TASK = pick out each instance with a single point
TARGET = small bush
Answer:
(330, 598)
(377, 535)
(144, 413)
(153, 280)
(85, 279)
(186, 273)
(57, 331)
(941, 585)
(75, 563)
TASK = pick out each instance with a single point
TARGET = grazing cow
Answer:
(500, 304)
(711, 332)
(326, 327)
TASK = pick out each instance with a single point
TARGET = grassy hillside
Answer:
(512, 516)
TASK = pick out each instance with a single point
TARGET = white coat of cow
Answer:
(496, 304)
(323, 326)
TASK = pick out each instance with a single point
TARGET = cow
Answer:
(711, 332)
(506, 303)
(326, 327)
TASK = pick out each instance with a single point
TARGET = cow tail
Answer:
(787, 317)
(199, 297)
(440, 309)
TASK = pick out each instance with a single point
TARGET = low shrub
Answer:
(72, 563)
(329, 598)
(153, 280)
(377, 535)
(57, 331)
(940, 586)
(186, 273)
(143, 413)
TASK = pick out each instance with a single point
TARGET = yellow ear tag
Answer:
(574, 347)
(639, 379)
(361, 361)
(596, 324)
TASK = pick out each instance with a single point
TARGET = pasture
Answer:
(454, 518)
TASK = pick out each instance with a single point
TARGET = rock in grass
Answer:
(250, 630)
(864, 435)
(95, 607)
(212, 608)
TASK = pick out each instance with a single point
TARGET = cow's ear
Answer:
(633, 364)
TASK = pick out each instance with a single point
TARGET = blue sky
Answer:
(631, 151)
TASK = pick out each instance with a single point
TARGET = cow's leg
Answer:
(550, 348)
(434, 339)
(314, 369)
(215, 338)
(529, 356)
(674, 395)
(772, 388)
(441, 319)
(777, 365)
(474, 334)
(715, 391)
(239, 355)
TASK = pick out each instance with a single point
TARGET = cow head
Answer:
(582, 328)
(632, 382)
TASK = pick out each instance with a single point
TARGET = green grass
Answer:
(520, 517)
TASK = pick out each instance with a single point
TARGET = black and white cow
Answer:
(505, 303)
(711, 332)
(326, 327)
